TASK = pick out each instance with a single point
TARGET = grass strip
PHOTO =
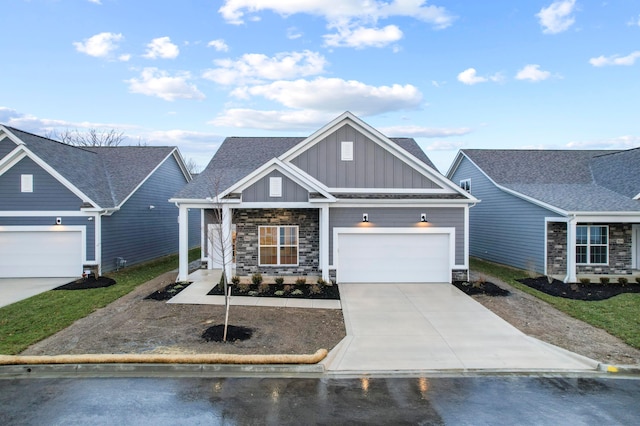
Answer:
(28, 321)
(619, 315)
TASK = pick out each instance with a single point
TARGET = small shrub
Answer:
(287, 288)
(301, 281)
(585, 280)
(279, 280)
(256, 278)
(253, 293)
(297, 292)
(278, 293)
(331, 282)
(315, 289)
(638, 280)
(243, 288)
(604, 280)
(321, 282)
(481, 280)
(263, 288)
(623, 281)
(235, 280)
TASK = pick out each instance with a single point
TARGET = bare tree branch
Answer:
(92, 137)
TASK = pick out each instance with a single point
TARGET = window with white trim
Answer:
(26, 183)
(275, 187)
(592, 244)
(346, 151)
(278, 245)
(466, 184)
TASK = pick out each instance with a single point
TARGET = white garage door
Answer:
(394, 257)
(36, 253)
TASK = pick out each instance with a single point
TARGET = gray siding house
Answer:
(66, 209)
(345, 203)
(560, 213)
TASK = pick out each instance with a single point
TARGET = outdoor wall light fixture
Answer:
(365, 217)
(423, 217)
(152, 207)
(58, 221)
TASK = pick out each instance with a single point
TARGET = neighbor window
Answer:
(466, 184)
(346, 151)
(26, 183)
(592, 245)
(278, 245)
(275, 187)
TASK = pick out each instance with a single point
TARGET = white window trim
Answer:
(346, 151)
(466, 184)
(278, 246)
(588, 245)
(275, 187)
(26, 183)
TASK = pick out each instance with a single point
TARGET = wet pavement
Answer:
(495, 400)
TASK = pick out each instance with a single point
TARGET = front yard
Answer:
(619, 315)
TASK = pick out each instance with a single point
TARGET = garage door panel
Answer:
(40, 254)
(389, 257)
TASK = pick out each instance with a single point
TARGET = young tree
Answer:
(92, 137)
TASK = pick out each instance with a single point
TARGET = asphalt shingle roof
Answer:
(239, 156)
(107, 175)
(572, 180)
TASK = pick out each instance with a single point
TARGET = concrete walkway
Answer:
(13, 290)
(396, 327)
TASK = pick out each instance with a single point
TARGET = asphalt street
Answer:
(496, 400)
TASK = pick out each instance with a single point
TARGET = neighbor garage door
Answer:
(394, 257)
(40, 253)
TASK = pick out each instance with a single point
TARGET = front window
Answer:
(278, 245)
(592, 245)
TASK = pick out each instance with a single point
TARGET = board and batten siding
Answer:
(372, 166)
(138, 233)
(6, 146)
(259, 191)
(397, 217)
(48, 193)
(503, 228)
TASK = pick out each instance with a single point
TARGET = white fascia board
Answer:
(454, 165)
(11, 159)
(7, 133)
(389, 191)
(637, 197)
(45, 213)
(606, 217)
(183, 167)
(276, 205)
(399, 203)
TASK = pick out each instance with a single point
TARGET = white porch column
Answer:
(571, 252)
(324, 242)
(227, 241)
(183, 244)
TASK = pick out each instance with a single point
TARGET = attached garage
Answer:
(34, 251)
(398, 255)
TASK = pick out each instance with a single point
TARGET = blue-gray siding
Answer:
(372, 165)
(259, 191)
(6, 146)
(503, 228)
(48, 193)
(138, 233)
(48, 221)
(396, 217)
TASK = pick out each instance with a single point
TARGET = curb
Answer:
(620, 369)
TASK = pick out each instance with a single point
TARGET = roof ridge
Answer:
(49, 139)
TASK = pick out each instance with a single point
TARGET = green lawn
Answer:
(31, 320)
(619, 315)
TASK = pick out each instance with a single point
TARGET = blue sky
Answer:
(452, 74)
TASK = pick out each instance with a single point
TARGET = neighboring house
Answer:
(560, 213)
(345, 203)
(66, 209)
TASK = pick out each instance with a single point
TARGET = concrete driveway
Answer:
(15, 289)
(394, 327)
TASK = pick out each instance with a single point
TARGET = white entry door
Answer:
(394, 256)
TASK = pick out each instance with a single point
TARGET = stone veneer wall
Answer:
(556, 248)
(247, 222)
(620, 235)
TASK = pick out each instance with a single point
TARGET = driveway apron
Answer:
(393, 327)
(13, 290)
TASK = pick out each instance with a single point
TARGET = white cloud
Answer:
(293, 33)
(634, 22)
(336, 95)
(340, 11)
(155, 82)
(255, 67)
(219, 45)
(100, 45)
(161, 47)
(628, 60)
(424, 132)
(95, 1)
(557, 17)
(470, 77)
(124, 57)
(620, 142)
(364, 37)
(272, 120)
(445, 146)
(532, 72)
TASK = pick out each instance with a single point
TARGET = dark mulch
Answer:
(580, 291)
(168, 292)
(87, 283)
(486, 288)
(234, 333)
(299, 291)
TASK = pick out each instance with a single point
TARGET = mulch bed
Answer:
(298, 291)
(486, 288)
(234, 333)
(167, 292)
(87, 283)
(580, 291)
